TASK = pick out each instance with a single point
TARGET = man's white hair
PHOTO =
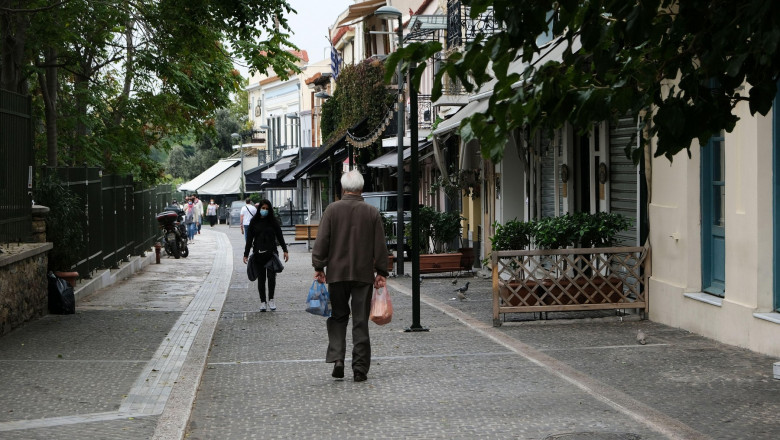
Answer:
(352, 181)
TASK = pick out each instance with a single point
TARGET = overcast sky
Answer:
(310, 26)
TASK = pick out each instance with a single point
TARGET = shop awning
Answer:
(359, 11)
(452, 124)
(390, 160)
(306, 154)
(206, 176)
(229, 182)
(337, 149)
(253, 177)
(284, 163)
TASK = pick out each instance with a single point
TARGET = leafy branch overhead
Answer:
(114, 79)
(690, 63)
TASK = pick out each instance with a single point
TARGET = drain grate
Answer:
(594, 436)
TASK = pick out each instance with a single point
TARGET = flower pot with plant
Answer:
(438, 230)
(514, 235)
(65, 226)
(597, 231)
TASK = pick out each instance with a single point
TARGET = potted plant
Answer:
(514, 235)
(595, 231)
(437, 231)
(65, 224)
(387, 225)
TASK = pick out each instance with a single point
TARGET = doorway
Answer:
(582, 160)
(713, 222)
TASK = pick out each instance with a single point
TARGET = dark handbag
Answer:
(250, 268)
(274, 264)
(62, 300)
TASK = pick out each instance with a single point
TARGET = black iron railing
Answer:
(16, 149)
(426, 112)
(462, 29)
(120, 216)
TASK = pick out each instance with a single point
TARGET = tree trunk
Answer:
(48, 82)
(13, 37)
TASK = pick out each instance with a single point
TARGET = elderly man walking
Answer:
(351, 245)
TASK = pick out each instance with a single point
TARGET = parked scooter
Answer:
(174, 237)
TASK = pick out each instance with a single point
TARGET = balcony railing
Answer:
(462, 29)
(426, 113)
(450, 86)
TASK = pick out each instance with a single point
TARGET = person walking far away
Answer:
(189, 220)
(263, 234)
(351, 245)
(211, 212)
(199, 207)
(247, 213)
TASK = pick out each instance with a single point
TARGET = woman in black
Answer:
(262, 235)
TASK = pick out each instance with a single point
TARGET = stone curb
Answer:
(108, 277)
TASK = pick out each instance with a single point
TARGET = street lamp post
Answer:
(241, 147)
(389, 12)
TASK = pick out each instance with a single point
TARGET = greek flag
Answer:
(335, 62)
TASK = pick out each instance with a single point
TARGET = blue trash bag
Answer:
(318, 301)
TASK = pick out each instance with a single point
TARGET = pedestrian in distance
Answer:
(351, 245)
(211, 212)
(199, 207)
(189, 221)
(263, 235)
(247, 213)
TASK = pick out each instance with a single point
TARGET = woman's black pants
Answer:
(263, 274)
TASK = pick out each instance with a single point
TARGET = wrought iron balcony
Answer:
(462, 29)
(426, 113)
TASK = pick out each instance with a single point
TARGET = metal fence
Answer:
(16, 155)
(120, 216)
(294, 217)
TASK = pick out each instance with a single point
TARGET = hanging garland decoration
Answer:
(365, 141)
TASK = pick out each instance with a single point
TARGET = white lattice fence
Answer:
(569, 280)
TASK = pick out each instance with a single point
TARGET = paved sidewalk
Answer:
(116, 369)
(128, 365)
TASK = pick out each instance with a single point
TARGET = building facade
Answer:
(714, 228)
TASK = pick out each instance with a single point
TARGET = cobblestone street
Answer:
(181, 349)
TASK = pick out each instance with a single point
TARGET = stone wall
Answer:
(23, 284)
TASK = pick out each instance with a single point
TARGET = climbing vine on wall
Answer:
(360, 93)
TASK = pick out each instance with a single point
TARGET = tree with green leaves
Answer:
(118, 78)
(686, 65)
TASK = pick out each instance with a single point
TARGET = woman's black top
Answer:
(263, 235)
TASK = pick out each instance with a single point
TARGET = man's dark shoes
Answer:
(360, 376)
(338, 369)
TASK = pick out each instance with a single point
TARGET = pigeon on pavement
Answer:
(641, 337)
(463, 288)
(461, 296)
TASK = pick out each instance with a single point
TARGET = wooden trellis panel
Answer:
(557, 280)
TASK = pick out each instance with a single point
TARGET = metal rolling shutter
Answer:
(623, 177)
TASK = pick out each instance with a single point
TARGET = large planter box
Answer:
(595, 290)
(519, 293)
(562, 280)
(467, 258)
(433, 263)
